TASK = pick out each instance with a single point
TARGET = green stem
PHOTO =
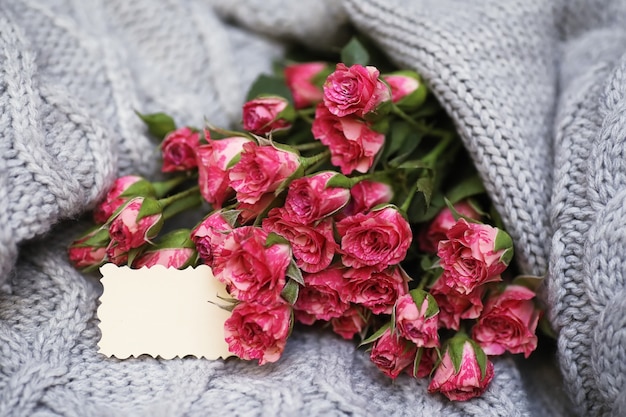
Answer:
(309, 146)
(407, 202)
(434, 154)
(180, 202)
(316, 160)
(422, 283)
(164, 187)
(399, 112)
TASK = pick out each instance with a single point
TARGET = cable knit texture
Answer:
(536, 88)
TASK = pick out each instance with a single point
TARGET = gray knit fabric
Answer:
(537, 89)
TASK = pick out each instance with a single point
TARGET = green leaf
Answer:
(398, 133)
(266, 85)
(339, 181)
(469, 187)
(354, 53)
(458, 215)
(546, 328)
(295, 273)
(99, 238)
(504, 242)
(529, 281)
(377, 335)
(481, 358)
(455, 350)
(159, 124)
(141, 188)
(180, 238)
(275, 239)
(290, 291)
(425, 186)
(414, 164)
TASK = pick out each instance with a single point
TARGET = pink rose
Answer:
(468, 378)
(313, 246)
(178, 258)
(356, 90)
(366, 195)
(474, 254)
(352, 144)
(128, 230)
(508, 322)
(376, 290)
(351, 322)
(309, 199)
(454, 306)
(426, 364)
(90, 250)
(299, 79)
(320, 295)
(249, 212)
(261, 170)
(378, 238)
(116, 256)
(407, 90)
(429, 237)
(250, 270)
(213, 162)
(210, 234)
(266, 114)
(257, 331)
(116, 196)
(417, 318)
(179, 150)
(392, 354)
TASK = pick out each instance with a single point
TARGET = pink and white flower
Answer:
(168, 257)
(179, 150)
(89, 251)
(210, 234)
(266, 114)
(365, 195)
(319, 297)
(392, 354)
(429, 237)
(417, 318)
(373, 289)
(258, 331)
(309, 199)
(299, 79)
(116, 197)
(350, 323)
(129, 230)
(454, 306)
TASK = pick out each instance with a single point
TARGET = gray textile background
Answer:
(538, 92)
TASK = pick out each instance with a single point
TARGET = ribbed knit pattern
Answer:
(536, 88)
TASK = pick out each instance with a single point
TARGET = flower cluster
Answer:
(346, 200)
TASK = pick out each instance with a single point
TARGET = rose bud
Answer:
(179, 150)
(209, 235)
(508, 322)
(353, 145)
(313, 246)
(464, 371)
(473, 254)
(122, 190)
(174, 250)
(252, 270)
(429, 237)
(250, 212)
(214, 163)
(366, 195)
(89, 251)
(356, 90)
(417, 318)
(375, 290)
(139, 221)
(350, 323)
(256, 331)
(261, 170)
(117, 256)
(392, 354)
(310, 199)
(267, 114)
(319, 297)
(454, 306)
(377, 239)
(408, 91)
(300, 80)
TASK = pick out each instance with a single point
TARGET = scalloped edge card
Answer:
(162, 312)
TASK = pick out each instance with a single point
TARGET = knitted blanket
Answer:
(537, 89)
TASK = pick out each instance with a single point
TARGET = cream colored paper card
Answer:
(162, 312)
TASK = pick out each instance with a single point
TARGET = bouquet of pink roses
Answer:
(346, 199)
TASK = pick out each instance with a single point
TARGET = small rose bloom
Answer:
(299, 79)
(116, 256)
(377, 239)
(263, 115)
(392, 354)
(84, 254)
(210, 234)
(320, 295)
(407, 89)
(128, 231)
(417, 318)
(454, 306)
(114, 199)
(353, 145)
(366, 195)
(250, 212)
(261, 170)
(250, 270)
(213, 161)
(313, 246)
(179, 150)
(309, 199)
(355, 90)
(468, 380)
(257, 331)
(472, 255)
(375, 290)
(351, 322)
(429, 237)
(168, 257)
(508, 322)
